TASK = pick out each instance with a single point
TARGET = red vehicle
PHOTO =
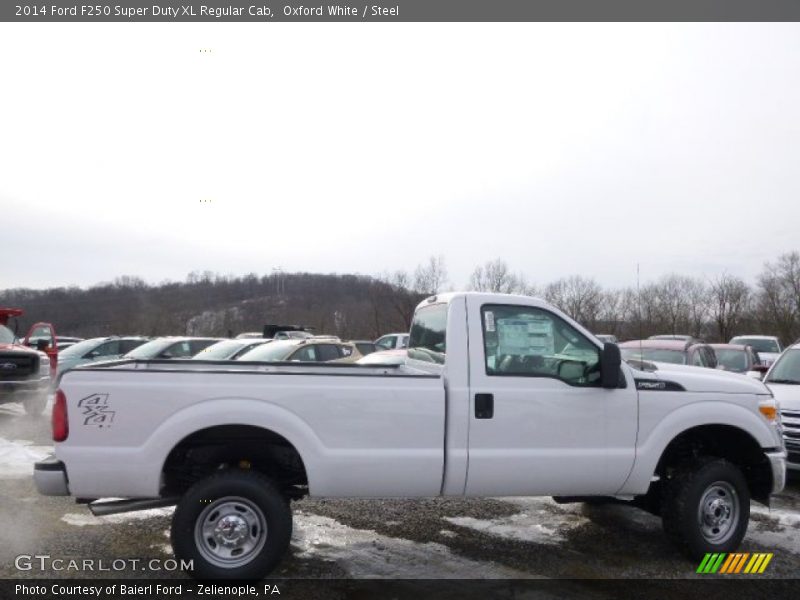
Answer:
(26, 373)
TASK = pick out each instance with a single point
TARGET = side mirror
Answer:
(42, 345)
(165, 355)
(760, 369)
(92, 354)
(610, 363)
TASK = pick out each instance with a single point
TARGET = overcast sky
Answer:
(563, 149)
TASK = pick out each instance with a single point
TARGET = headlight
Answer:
(44, 363)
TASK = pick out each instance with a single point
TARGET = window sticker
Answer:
(490, 321)
(525, 337)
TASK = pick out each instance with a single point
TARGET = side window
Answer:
(106, 349)
(197, 345)
(403, 341)
(305, 354)
(126, 346)
(327, 352)
(531, 342)
(697, 358)
(385, 343)
(179, 350)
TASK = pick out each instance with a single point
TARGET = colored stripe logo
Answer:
(735, 563)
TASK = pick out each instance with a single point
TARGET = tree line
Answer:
(364, 307)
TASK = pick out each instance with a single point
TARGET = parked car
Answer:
(65, 341)
(783, 379)
(670, 351)
(768, 346)
(384, 357)
(171, 347)
(737, 358)
(392, 341)
(310, 350)
(675, 337)
(26, 372)
(607, 337)
(293, 335)
(484, 405)
(229, 349)
(365, 346)
(94, 349)
(250, 335)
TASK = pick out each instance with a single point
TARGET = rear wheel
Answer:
(232, 525)
(706, 507)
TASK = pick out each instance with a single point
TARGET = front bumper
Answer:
(50, 477)
(777, 461)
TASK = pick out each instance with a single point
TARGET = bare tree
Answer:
(430, 278)
(495, 276)
(577, 296)
(779, 296)
(729, 304)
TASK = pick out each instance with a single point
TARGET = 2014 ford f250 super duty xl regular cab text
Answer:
(500, 396)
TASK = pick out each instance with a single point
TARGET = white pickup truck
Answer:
(500, 396)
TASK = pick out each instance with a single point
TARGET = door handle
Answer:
(484, 406)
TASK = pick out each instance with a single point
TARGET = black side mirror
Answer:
(610, 362)
(42, 344)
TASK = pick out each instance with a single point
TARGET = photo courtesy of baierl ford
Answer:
(499, 395)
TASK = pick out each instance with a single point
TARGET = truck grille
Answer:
(18, 366)
(790, 419)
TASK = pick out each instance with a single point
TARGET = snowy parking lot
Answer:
(439, 538)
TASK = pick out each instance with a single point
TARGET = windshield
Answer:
(276, 351)
(787, 369)
(150, 349)
(758, 344)
(675, 357)
(220, 350)
(732, 360)
(80, 348)
(6, 335)
(427, 337)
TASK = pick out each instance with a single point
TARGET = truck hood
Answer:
(17, 348)
(787, 395)
(699, 379)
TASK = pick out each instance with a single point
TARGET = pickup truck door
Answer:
(540, 424)
(42, 336)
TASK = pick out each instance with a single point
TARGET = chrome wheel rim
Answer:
(230, 532)
(718, 512)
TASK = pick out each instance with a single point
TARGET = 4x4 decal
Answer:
(96, 410)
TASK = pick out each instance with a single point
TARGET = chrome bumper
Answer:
(777, 461)
(50, 477)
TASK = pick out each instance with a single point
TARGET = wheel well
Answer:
(723, 441)
(234, 446)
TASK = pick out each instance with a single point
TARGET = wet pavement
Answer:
(437, 538)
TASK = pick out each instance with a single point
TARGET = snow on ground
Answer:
(542, 521)
(12, 409)
(774, 528)
(367, 554)
(87, 518)
(17, 457)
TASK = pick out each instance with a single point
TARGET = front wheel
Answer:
(706, 507)
(232, 525)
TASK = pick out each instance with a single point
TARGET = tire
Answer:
(706, 507)
(232, 525)
(34, 405)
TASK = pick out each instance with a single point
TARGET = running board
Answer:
(112, 507)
